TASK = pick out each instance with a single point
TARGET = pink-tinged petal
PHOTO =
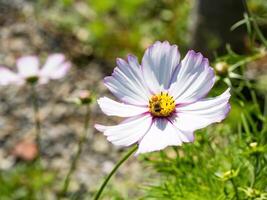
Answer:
(28, 66)
(158, 65)
(128, 132)
(61, 71)
(127, 82)
(193, 79)
(161, 134)
(202, 113)
(55, 66)
(113, 108)
(52, 63)
(185, 135)
(8, 77)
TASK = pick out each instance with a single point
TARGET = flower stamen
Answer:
(161, 105)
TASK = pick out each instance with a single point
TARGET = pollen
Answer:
(161, 105)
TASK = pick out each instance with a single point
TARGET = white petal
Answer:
(127, 82)
(161, 134)
(158, 65)
(8, 77)
(193, 79)
(184, 135)
(128, 132)
(61, 71)
(52, 63)
(113, 108)
(55, 66)
(28, 66)
(202, 113)
(187, 136)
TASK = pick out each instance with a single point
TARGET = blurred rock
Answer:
(25, 150)
(6, 162)
(107, 166)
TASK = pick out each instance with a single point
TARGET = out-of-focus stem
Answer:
(235, 188)
(254, 24)
(265, 105)
(37, 120)
(78, 153)
(116, 167)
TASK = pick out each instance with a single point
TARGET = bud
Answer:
(85, 97)
(253, 144)
(81, 97)
(255, 149)
(221, 68)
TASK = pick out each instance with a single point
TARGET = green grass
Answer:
(25, 181)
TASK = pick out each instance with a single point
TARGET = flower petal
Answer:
(127, 82)
(61, 71)
(55, 66)
(8, 77)
(128, 132)
(184, 135)
(28, 66)
(113, 108)
(202, 113)
(193, 79)
(161, 134)
(158, 64)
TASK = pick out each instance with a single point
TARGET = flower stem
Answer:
(255, 24)
(235, 188)
(37, 119)
(78, 153)
(124, 158)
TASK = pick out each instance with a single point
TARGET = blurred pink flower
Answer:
(163, 99)
(55, 67)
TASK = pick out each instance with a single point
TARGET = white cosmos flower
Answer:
(55, 67)
(162, 99)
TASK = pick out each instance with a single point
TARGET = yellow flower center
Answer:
(161, 105)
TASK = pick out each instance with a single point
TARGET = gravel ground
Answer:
(62, 121)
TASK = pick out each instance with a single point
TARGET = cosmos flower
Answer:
(55, 67)
(163, 99)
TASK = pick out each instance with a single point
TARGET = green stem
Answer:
(124, 158)
(235, 188)
(245, 61)
(254, 24)
(78, 154)
(265, 105)
(257, 166)
(37, 119)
